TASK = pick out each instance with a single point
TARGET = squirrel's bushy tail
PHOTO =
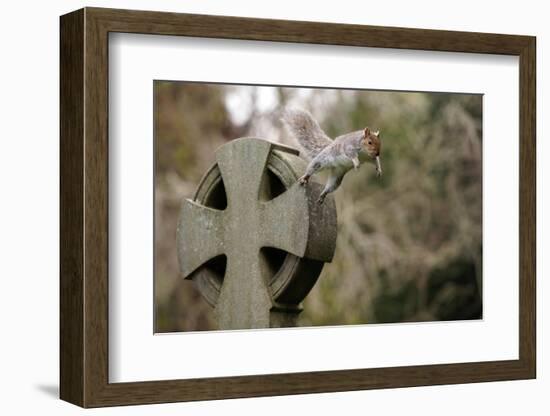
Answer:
(306, 130)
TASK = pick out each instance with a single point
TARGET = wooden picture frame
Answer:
(84, 207)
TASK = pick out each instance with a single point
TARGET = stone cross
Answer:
(291, 222)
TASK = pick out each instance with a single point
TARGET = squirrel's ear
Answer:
(367, 132)
(377, 133)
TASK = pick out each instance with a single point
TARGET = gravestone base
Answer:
(284, 317)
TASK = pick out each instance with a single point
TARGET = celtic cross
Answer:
(251, 221)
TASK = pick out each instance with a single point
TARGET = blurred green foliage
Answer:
(409, 243)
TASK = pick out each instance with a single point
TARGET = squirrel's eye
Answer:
(370, 141)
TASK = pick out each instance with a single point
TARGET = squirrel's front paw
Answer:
(303, 180)
(378, 172)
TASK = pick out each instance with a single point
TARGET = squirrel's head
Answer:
(373, 146)
(371, 142)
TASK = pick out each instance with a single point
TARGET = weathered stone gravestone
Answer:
(252, 239)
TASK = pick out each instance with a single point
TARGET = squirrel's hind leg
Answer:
(315, 165)
(333, 182)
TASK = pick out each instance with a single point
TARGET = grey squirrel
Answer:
(338, 156)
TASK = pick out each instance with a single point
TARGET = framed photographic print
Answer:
(255, 207)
